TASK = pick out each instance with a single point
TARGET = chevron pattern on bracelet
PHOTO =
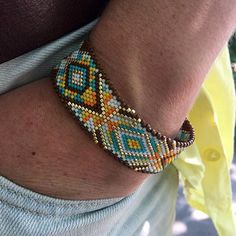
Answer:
(112, 124)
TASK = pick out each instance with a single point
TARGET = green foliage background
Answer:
(232, 50)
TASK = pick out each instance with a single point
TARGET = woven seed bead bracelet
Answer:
(116, 127)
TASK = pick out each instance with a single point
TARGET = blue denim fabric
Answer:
(150, 210)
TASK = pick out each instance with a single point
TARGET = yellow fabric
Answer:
(205, 166)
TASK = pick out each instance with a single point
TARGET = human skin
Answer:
(157, 54)
(38, 22)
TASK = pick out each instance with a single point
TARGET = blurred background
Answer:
(190, 222)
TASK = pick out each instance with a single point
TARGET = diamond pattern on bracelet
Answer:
(115, 126)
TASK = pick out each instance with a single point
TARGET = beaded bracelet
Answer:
(82, 85)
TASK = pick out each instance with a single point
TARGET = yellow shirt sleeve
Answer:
(205, 166)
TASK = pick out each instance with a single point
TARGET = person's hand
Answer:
(44, 149)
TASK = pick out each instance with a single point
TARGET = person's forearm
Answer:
(157, 53)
